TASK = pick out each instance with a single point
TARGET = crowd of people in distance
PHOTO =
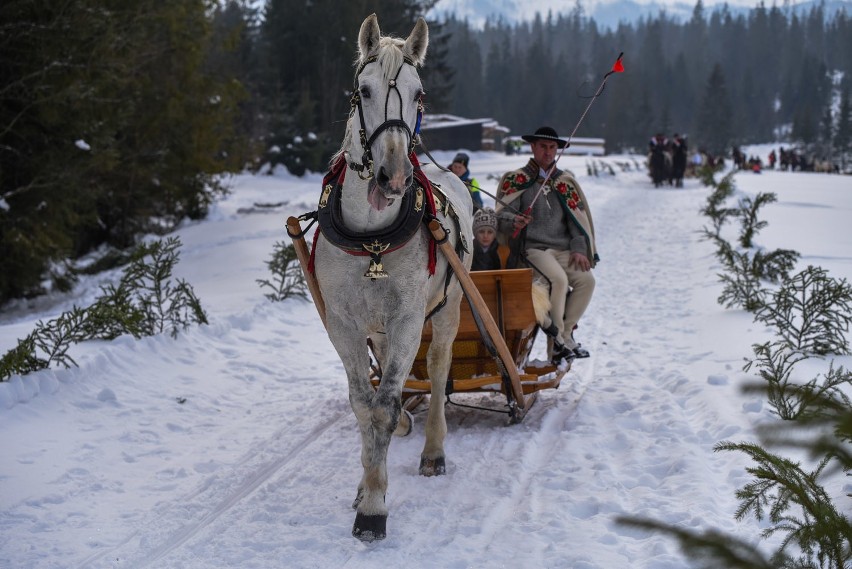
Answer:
(786, 160)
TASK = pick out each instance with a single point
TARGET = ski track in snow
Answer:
(257, 475)
(539, 494)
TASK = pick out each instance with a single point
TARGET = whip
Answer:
(617, 67)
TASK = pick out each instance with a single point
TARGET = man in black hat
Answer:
(554, 235)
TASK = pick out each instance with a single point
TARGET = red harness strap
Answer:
(430, 199)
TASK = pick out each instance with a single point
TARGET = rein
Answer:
(367, 143)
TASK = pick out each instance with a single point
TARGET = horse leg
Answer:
(380, 346)
(378, 413)
(444, 325)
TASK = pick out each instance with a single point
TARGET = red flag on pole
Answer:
(617, 67)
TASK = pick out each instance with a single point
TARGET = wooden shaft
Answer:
(481, 309)
(294, 230)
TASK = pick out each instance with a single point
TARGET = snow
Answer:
(234, 444)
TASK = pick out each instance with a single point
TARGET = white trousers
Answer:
(564, 278)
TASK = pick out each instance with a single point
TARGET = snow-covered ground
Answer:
(102, 466)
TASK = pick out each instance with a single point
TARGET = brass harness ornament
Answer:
(376, 269)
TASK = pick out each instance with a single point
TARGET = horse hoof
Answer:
(370, 528)
(433, 466)
(401, 430)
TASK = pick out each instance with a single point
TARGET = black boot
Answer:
(580, 352)
(551, 330)
(561, 352)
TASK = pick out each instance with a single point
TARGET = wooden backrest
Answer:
(508, 295)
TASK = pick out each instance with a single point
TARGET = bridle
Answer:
(365, 167)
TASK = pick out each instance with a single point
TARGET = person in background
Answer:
(556, 239)
(485, 246)
(459, 167)
(679, 150)
(658, 146)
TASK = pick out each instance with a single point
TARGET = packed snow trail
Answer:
(629, 432)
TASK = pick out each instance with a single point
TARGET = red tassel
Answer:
(313, 249)
(430, 202)
(618, 67)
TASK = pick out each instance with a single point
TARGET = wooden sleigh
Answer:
(491, 352)
(508, 296)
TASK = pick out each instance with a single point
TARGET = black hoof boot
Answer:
(433, 466)
(370, 528)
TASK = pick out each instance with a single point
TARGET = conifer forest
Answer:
(117, 119)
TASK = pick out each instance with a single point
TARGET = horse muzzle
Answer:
(395, 185)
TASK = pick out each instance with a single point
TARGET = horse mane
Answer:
(390, 58)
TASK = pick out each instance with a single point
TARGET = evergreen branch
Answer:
(782, 484)
(711, 548)
(747, 212)
(144, 303)
(811, 312)
(288, 279)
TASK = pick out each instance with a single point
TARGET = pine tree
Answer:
(438, 75)
(805, 125)
(714, 116)
(110, 126)
(843, 137)
(643, 122)
(468, 91)
(306, 73)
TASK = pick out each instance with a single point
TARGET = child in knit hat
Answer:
(485, 245)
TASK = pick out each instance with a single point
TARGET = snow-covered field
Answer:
(102, 466)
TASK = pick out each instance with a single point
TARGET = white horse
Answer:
(384, 294)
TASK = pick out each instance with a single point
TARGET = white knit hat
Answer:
(485, 217)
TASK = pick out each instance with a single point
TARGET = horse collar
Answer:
(372, 243)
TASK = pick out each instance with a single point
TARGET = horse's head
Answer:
(387, 105)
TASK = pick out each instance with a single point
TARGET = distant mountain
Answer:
(607, 13)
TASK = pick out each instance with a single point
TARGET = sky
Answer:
(234, 445)
(607, 13)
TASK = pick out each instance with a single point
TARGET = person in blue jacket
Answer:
(460, 168)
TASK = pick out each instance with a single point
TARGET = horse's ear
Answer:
(417, 42)
(368, 37)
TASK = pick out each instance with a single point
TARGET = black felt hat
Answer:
(545, 133)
